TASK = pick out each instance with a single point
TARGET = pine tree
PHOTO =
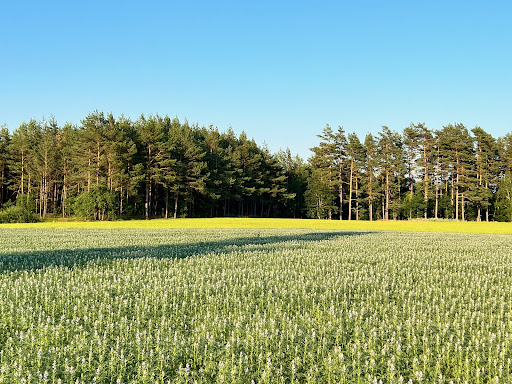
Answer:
(355, 155)
(425, 149)
(93, 143)
(456, 147)
(67, 142)
(370, 178)
(339, 144)
(486, 153)
(323, 164)
(188, 171)
(390, 161)
(318, 197)
(5, 143)
(151, 134)
(20, 159)
(410, 139)
(296, 178)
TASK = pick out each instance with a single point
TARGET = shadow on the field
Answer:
(34, 260)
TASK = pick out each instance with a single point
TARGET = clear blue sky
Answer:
(280, 70)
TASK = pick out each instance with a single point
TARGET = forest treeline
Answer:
(108, 168)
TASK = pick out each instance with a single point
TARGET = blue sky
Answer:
(279, 70)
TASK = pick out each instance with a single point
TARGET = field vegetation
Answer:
(158, 305)
(238, 222)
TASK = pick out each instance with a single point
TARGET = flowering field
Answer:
(262, 223)
(269, 305)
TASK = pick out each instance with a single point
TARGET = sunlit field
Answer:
(414, 225)
(160, 305)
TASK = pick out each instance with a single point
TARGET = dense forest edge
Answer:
(114, 168)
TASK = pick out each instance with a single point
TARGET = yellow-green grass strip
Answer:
(414, 225)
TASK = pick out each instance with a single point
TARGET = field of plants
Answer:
(268, 223)
(159, 305)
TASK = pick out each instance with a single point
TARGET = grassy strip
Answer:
(415, 225)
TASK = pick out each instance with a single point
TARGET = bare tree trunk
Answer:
(487, 206)
(452, 192)
(41, 198)
(166, 202)
(175, 204)
(357, 199)
(425, 181)
(110, 181)
(457, 203)
(341, 197)
(89, 176)
(22, 172)
(387, 195)
(350, 189)
(64, 196)
(457, 193)
(462, 207)
(148, 200)
(384, 209)
(55, 197)
(437, 186)
(121, 198)
(370, 197)
(127, 198)
(98, 156)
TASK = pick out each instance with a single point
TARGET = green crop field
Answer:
(185, 305)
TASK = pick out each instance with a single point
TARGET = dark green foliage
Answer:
(17, 214)
(97, 204)
(26, 202)
(504, 200)
(109, 167)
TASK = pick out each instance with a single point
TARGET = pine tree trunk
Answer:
(457, 191)
(41, 198)
(357, 200)
(437, 186)
(370, 197)
(148, 200)
(487, 206)
(425, 181)
(45, 195)
(121, 197)
(55, 197)
(462, 207)
(127, 199)
(175, 205)
(350, 189)
(98, 156)
(64, 196)
(22, 172)
(387, 195)
(2, 188)
(341, 197)
(436, 206)
(166, 203)
(457, 203)
(89, 176)
(384, 207)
